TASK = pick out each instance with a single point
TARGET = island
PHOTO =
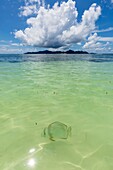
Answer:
(58, 52)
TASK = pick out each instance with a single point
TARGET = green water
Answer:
(35, 94)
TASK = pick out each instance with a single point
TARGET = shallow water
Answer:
(38, 90)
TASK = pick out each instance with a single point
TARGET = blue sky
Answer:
(32, 25)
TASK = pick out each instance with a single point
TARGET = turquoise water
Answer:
(37, 90)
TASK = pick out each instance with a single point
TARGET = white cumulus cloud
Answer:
(92, 42)
(97, 43)
(31, 7)
(28, 10)
(58, 26)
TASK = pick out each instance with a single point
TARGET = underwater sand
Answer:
(38, 90)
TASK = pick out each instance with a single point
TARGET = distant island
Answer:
(58, 52)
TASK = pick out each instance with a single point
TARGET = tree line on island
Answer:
(58, 52)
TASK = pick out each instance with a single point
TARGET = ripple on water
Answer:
(35, 94)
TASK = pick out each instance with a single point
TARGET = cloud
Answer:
(58, 26)
(9, 49)
(105, 30)
(31, 7)
(110, 39)
(27, 2)
(28, 10)
(40, 2)
(92, 42)
(97, 43)
(14, 48)
(107, 3)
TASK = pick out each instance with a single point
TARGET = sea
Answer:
(38, 90)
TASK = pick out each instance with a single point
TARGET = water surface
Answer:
(36, 90)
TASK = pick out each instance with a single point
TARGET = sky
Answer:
(33, 25)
